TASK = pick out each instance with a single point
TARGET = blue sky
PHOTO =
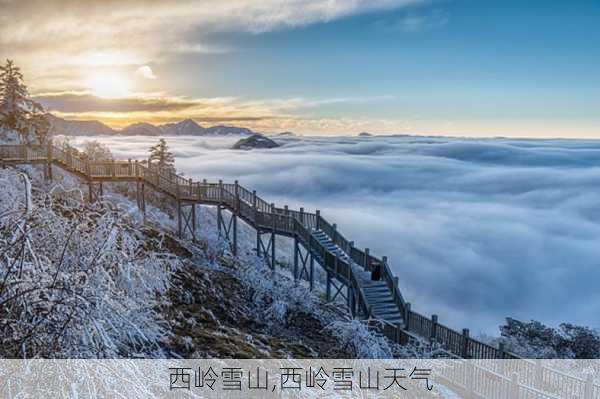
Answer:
(508, 68)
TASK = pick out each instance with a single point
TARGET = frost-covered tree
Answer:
(40, 128)
(535, 340)
(96, 151)
(161, 156)
(18, 112)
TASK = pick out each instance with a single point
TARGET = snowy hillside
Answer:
(94, 281)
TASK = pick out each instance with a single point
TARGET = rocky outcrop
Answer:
(255, 141)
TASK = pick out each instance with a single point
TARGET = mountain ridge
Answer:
(186, 127)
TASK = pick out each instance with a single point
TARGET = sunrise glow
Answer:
(109, 85)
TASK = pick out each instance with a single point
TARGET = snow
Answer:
(78, 281)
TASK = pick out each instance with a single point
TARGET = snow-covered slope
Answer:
(109, 285)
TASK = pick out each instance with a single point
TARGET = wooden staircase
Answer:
(377, 294)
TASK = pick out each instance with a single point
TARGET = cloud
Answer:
(413, 22)
(265, 115)
(48, 37)
(199, 48)
(476, 229)
(146, 72)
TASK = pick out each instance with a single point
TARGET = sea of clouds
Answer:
(476, 229)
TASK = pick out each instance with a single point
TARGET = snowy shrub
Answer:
(75, 281)
(364, 342)
(535, 340)
(96, 151)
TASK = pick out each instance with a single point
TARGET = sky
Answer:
(477, 230)
(436, 67)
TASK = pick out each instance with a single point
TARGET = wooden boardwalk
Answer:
(317, 242)
(348, 269)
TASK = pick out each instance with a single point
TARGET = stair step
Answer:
(388, 315)
(378, 294)
(376, 291)
(386, 310)
(383, 302)
(396, 321)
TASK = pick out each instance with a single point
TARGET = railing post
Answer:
(367, 262)
(514, 386)
(296, 249)
(191, 187)
(286, 211)
(255, 207)
(434, 323)
(113, 172)
(470, 371)
(130, 171)
(237, 196)
(466, 339)
(221, 191)
(589, 386)
(49, 159)
(334, 227)
(318, 219)
(302, 216)
(537, 380)
(273, 236)
(407, 316)
(502, 351)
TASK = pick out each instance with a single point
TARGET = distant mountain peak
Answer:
(141, 129)
(186, 127)
(60, 126)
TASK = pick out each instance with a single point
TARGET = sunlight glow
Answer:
(109, 85)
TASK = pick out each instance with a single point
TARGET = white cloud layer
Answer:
(477, 229)
(53, 39)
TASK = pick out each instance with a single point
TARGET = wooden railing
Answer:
(516, 379)
(262, 214)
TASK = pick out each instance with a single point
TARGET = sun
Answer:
(109, 85)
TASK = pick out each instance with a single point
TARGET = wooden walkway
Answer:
(348, 269)
(317, 242)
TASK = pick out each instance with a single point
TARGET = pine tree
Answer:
(18, 112)
(161, 156)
